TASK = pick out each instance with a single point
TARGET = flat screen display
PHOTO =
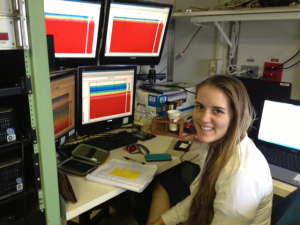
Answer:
(106, 96)
(134, 32)
(63, 104)
(76, 29)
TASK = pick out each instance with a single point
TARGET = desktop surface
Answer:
(90, 194)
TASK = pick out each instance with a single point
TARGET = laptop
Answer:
(279, 138)
(258, 90)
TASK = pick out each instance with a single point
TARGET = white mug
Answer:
(174, 116)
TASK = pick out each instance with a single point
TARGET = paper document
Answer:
(123, 174)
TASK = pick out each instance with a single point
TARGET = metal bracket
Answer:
(33, 135)
(28, 85)
(21, 25)
(37, 173)
(223, 34)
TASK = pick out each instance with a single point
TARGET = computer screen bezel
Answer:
(70, 133)
(261, 141)
(258, 90)
(74, 62)
(105, 125)
(132, 60)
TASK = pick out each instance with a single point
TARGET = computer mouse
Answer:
(137, 148)
(143, 149)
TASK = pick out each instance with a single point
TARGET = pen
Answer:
(133, 159)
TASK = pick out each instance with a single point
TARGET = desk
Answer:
(91, 194)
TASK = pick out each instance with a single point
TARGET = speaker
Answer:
(11, 175)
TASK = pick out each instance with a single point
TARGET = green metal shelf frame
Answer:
(37, 70)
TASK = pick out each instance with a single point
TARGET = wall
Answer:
(260, 40)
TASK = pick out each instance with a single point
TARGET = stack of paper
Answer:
(123, 174)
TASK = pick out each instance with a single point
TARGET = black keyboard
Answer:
(287, 160)
(106, 141)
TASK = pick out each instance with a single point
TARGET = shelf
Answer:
(160, 126)
(10, 91)
(243, 14)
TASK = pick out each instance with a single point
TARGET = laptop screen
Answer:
(280, 123)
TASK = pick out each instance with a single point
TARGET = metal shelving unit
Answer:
(243, 14)
(37, 71)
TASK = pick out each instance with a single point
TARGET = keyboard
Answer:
(106, 141)
(287, 160)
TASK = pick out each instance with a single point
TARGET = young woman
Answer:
(234, 185)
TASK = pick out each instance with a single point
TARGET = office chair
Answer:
(286, 212)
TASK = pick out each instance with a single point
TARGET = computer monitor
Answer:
(63, 104)
(134, 32)
(258, 90)
(76, 27)
(105, 98)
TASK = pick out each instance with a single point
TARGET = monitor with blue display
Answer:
(105, 98)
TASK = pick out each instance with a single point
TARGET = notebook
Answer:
(131, 176)
(279, 138)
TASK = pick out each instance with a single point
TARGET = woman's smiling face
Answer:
(212, 114)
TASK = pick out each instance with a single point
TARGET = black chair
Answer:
(287, 211)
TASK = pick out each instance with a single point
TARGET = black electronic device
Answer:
(258, 90)
(76, 26)
(11, 175)
(63, 104)
(183, 145)
(7, 125)
(105, 98)
(134, 32)
(142, 136)
(85, 159)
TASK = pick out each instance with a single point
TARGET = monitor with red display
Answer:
(63, 104)
(76, 27)
(134, 32)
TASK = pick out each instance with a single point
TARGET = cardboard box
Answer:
(155, 97)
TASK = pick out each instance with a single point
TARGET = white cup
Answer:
(174, 116)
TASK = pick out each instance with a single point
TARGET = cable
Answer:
(189, 159)
(287, 61)
(23, 169)
(180, 55)
(232, 68)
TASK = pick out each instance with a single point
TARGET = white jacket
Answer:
(243, 195)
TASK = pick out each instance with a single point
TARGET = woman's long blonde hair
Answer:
(201, 211)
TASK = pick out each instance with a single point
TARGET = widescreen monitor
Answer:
(63, 104)
(134, 32)
(258, 90)
(76, 29)
(105, 98)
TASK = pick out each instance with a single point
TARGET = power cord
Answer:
(181, 54)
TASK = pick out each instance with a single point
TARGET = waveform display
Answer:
(72, 34)
(133, 35)
(110, 99)
(61, 113)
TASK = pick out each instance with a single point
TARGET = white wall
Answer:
(260, 40)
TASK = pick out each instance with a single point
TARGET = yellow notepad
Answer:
(123, 174)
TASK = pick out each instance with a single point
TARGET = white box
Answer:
(183, 94)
